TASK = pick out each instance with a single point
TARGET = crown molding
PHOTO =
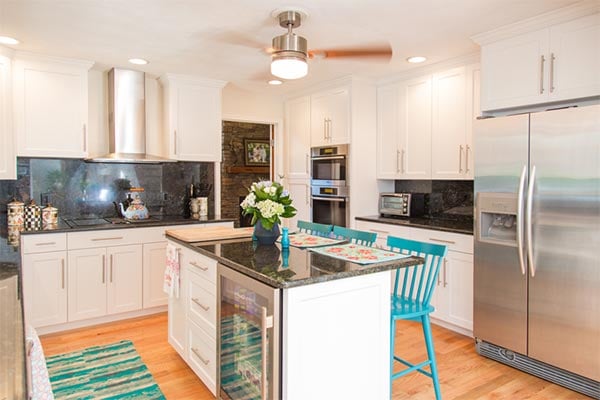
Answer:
(429, 69)
(28, 56)
(169, 78)
(574, 11)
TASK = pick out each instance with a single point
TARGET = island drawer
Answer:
(202, 355)
(202, 302)
(204, 266)
(42, 243)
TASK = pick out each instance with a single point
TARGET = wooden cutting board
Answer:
(210, 233)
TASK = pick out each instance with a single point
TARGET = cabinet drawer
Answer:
(203, 266)
(41, 243)
(202, 355)
(454, 241)
(104, 238)
(202, 302)
(384, 230)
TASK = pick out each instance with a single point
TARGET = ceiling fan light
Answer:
(416, 59)
(289, 67)
(8, 40)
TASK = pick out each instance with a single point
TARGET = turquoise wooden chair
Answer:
(413, 288)
(358, 237)
(314, 228)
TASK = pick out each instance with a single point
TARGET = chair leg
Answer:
(392, 341)
(431, 354)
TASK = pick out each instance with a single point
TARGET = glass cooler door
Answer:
(248, 337)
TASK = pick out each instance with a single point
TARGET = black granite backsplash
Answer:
(449, 199)
(87, 190)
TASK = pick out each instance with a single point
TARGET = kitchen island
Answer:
(290, 323)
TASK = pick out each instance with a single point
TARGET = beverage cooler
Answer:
(249, 325)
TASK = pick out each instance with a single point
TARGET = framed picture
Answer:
(257, 152)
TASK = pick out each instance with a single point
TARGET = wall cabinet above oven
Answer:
(330, 117)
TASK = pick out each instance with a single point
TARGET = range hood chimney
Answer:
(127, 119)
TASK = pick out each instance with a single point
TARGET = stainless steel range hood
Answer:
(127, 119)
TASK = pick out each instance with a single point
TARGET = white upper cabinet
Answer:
(192, 118)
(8, 158)
(388, 149)
(557, 63)
(330, 117)
(50, 106)
(297, 137)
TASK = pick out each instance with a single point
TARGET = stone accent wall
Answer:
(234, 185)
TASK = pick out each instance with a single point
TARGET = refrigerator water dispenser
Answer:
(497, 218)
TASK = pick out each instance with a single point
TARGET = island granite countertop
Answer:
(286, 268)
(464, 226)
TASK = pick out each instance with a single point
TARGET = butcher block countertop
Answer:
(209, 233)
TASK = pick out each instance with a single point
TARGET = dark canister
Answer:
(33, 215)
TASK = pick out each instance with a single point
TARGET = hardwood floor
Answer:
(464, 375)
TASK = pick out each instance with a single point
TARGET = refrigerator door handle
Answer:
(529, 224)
(266, 323)
(520, 220)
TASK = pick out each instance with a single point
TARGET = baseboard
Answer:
(452, 327)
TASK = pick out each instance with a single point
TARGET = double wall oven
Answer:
(329, 192)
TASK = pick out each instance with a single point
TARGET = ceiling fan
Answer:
(289, 53)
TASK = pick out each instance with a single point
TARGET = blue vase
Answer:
(266, 236)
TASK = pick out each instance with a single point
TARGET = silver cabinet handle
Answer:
(324, 128)
(111, 268)
(45, 244)
(542, 61)
(329, 129)
(266, 323)
(552, 58)
(439, 280)
(175, 141)
(307, 163)
(460, 151)
(529, 224)
(205, 308)
(103, 269)
(445, 281)
(107, 238)
(62, 272)
(442, 241)
(379, 231)
(467, 149)
(195, 264)
(397, 160)
(402, 161)
(197, 353)
(84, 137)
(334, 199)
(520, 222)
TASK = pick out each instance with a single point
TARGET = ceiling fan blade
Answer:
(381, 52)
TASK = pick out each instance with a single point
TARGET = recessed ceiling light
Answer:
(8, 40)
(275, 82)
(138, 61)
(416, 59)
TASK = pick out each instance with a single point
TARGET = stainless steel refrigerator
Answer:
(537, 244)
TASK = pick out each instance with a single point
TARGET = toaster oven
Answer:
(402, 204)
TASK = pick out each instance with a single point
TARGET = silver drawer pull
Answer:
(442, 241)
(195, 264)
(379, 231)
(197, 353)
(107, 238)
(45, 244)
(205, 308)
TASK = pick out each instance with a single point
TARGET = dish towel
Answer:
(40, 381)
(171, 278)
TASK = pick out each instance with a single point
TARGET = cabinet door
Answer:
(514, 71)
(297, 131)
(388, 151)
(300, 195)
(449, 131)
(415, 128)
(319, 115)
(339, 116)
(178, 315)
(87, 283)
(8, 160)
(154, 272)
(196, 133)
(45, 288)
(51, 106)
(575, 59)
(457, 276)
(124, 292)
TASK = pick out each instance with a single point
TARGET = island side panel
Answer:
(337, 339)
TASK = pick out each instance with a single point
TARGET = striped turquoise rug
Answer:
(114, 371)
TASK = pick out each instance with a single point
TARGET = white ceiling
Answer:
(195, 36)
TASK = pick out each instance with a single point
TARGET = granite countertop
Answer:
(67, 224)
(268, 263)
(464, 226)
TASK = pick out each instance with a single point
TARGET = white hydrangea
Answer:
(269, 208)
(272, 190)
(249, 201)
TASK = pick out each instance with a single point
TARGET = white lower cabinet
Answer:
(453, 295)
(300, 195)
(193, 315)
(154, 256)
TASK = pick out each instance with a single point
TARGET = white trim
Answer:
(168, 78)
(217, 184)
(100, 320)
(7, 52)
(574, 11)
(452, 327)
(28, 56)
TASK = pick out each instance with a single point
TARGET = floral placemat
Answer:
(359, 254)
(308, 240)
